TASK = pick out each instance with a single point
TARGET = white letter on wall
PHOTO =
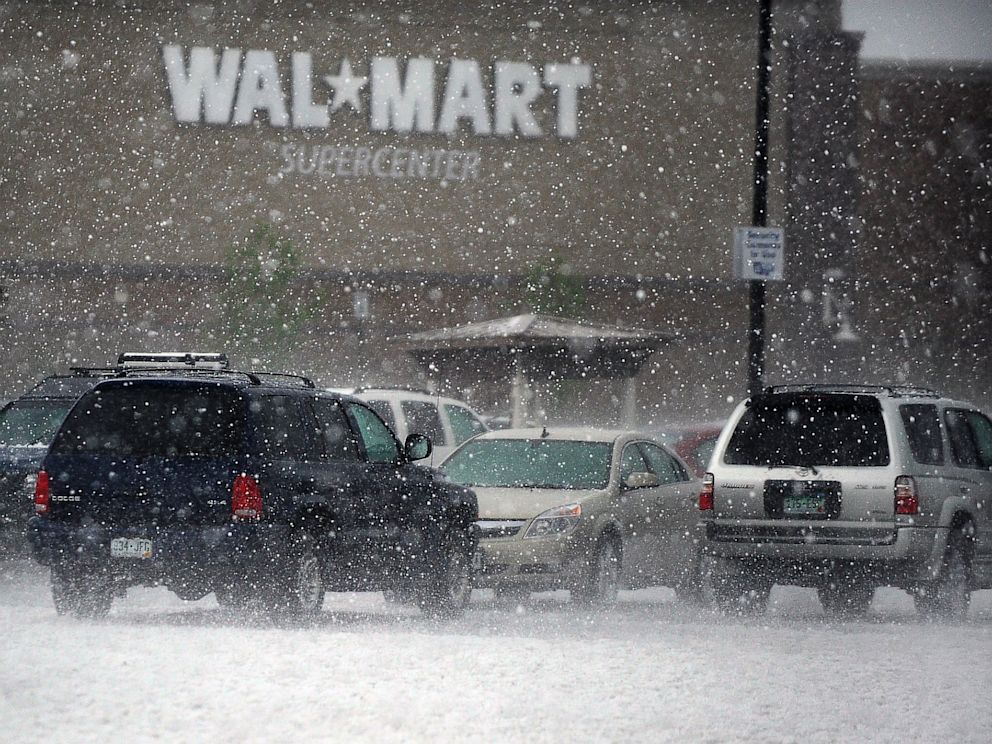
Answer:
(568, 79)
(464, 98)
(305, 112)
(260, 89)
(517, 85)
(202, 88)
(402, 106)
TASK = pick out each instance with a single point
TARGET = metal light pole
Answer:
(759, 212)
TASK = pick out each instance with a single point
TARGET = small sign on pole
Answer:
(759, 253)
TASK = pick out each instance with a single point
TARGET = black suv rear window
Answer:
(154, 421)
(804, 431)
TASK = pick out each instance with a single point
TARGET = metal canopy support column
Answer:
(629, 415)
(517, 393)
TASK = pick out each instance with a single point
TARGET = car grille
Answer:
(490, 529)
(867, 536)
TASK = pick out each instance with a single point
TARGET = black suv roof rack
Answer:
(894, 391)
(283, 378)
(277, 379)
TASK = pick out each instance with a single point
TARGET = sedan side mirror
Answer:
(641, 480)
(417, 447)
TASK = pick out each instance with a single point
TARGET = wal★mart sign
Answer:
(232, 87)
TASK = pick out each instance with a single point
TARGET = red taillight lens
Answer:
(706, 495)
(42, 495)
(246, 499)
(907, 500)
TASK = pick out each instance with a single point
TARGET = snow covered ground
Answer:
(159, 669)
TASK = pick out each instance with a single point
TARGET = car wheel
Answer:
(300, 590)
(696, 587)
(949, 596)
(447, 591)
(81, 595)
(65, 595)
(602, 581)
(841, 600)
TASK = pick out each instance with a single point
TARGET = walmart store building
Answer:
(427, 161)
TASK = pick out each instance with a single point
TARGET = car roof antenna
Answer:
(544, 432)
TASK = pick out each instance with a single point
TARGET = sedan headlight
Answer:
(558, 521)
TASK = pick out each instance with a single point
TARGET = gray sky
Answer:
(922, 29)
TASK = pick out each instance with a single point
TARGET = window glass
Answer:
(962, 445)
(154, 420)
(922, 425)
(422, 418)
(981, 430)
(632, 462)
(463, 424)
(339, 441)
(809, 431)
(663, 464)
(385, 411)
(531, 463)
(380, 444)
(285, 429)
(32, 422)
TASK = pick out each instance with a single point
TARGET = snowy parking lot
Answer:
(159, 669)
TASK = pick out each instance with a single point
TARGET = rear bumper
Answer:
(215, 547)
(901, 556)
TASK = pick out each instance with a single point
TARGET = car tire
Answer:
(300, 589)
(446, 592)
(601, 584)
(696, 587)
(841, 600)
(81, 595)
(949, 595)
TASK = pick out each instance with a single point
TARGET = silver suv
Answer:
(846, 488)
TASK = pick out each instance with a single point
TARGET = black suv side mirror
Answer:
(417, 447)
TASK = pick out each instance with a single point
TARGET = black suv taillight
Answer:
(42, 495)
(246, 499)
(907, 498)
(706, 494)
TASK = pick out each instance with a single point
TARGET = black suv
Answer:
(257, 487)
(27, 426)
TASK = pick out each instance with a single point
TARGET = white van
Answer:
(447, 421)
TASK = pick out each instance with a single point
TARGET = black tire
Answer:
(446, 591)
(948, 597)
(696, 587)
(842, 601)
(601, 584)
(299, 589)
(81, 594)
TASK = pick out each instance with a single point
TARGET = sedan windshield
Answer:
(531, 463)
(31, 422)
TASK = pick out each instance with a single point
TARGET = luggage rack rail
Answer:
(895, 391)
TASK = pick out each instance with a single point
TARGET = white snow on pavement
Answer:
(159, 669)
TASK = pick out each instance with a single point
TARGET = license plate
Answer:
(803, 504)
(130, 547)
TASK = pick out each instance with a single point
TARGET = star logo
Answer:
(346, 87)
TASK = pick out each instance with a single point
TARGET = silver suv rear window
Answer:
(810, 431)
